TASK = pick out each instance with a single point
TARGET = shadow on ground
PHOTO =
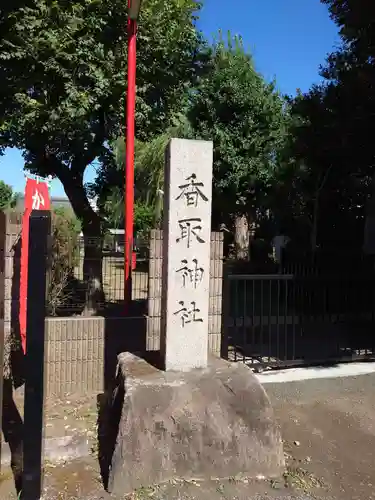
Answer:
(12, 427)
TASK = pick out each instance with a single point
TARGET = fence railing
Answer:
(76, 268)
(281, 319)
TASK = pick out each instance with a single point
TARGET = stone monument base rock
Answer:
(216, 422)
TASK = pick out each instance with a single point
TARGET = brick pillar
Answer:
(216, 293)
(10, 225)
(10, 228)
(154, 290)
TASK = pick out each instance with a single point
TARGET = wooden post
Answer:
(32, 481)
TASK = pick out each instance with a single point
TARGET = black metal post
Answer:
(32, 481)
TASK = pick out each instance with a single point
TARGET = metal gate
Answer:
(279, 320)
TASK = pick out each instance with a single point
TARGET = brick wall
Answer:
(74, 355)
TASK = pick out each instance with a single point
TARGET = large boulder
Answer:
(216, 422)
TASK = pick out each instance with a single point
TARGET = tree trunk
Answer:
(314, 227)
(242, 237)
(93, 243)
(93, 268)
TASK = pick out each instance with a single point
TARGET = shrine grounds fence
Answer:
(265, 320)
(290, 319)
(81, 349)
(70, 270)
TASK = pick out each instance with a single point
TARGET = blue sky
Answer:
(289, 39)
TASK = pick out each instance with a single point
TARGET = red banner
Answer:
(36, 198)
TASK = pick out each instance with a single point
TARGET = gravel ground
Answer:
(328, 427)
(80, 481)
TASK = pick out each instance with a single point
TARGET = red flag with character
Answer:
(36, 198)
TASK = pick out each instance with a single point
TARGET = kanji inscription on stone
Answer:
(192, 191)
(188, 313)
(190, 230)
(186, 254)
(191, 273)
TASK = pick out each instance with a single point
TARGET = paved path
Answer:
(329, 426)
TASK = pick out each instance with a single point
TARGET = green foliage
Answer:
(63, 72)
(8, 199)
(64, 69)
(150, 158)
(144, 218)
(233, 106)
(64, 257)
(6, 193)
(331, 144)
(356, 22)
(71, 223)
(244, 116)
(148, 175)
(63, 75)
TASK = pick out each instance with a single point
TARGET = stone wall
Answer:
(155, 281)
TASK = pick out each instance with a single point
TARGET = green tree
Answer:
(244, 116)
(333, 150)
(63, 74)
(356, 22)
(148, 177)
(144, 218)
(8, 199)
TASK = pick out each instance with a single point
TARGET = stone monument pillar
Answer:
(186, 254)
(160, 409)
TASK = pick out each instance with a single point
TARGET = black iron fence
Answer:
(283, 320)
(91, 273)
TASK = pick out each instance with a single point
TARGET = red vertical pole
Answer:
(129, 167)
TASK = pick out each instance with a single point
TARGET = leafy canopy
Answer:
(244, 116)
(8, 199)
(331, 139)
(63, 73)
(148, 177)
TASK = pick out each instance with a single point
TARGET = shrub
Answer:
(144, 216)
(64, 257)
